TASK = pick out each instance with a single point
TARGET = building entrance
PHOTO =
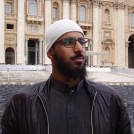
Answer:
(131, 52)
(10, 56)
(33, 52)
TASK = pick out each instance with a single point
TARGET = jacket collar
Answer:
(45, 87)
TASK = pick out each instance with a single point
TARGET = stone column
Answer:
(26, 51)
(40, 52)
(120, 35)
(126, 52)
(73, 10)
(96, 31)
(36, 53)
(47, 23)
(20, 33)
(65, 9)
(2, 32)
(43, 52)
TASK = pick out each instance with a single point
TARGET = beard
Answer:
(65, 69)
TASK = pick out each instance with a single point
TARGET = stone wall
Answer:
(127, 93)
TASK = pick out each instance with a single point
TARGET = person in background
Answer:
(66, 103)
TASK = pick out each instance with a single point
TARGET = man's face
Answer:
(70, 61)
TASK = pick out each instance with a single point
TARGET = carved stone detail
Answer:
(107, 4)
(96, 3)
(119, 5)
(73, 1)
(130, 9)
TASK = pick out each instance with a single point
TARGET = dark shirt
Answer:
(70, 109)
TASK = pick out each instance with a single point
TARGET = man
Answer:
(66, 103)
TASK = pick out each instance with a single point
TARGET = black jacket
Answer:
(27, 112)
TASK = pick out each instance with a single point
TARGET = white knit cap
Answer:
(59, 28)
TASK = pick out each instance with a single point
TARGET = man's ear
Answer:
(50, 54)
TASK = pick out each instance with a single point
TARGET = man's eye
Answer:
(68, 41)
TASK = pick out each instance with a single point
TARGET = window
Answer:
(132, 20)
(55, 14)
(107, 16)
(85, 33)
(82, 13)
(33, 7)
(10, 26)
(9, 8)
(10, 56)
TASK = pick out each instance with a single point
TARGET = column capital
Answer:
(119, 5)
(96, 3)
(73, 1)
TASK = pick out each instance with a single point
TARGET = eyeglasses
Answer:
(71, 42)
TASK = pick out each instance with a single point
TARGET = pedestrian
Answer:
(67, 103)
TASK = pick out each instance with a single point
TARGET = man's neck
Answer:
(66, 80)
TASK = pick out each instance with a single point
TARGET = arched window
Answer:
(107, 16)
(10, 56)
(33, 10)
(55, 11)
(132, 20)
(9, 8)
(82, 13)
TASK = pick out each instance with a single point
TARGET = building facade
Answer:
(108, 23)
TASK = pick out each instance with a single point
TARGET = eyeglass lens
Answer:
(71, 42)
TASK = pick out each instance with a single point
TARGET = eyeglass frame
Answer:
(74, 43)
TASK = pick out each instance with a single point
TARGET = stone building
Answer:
(108, 23)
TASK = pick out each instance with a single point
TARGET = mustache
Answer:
(78, 56)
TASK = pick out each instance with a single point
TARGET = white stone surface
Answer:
(2, 32)
(120, 44)
(48, 22)
(21, 33)
(96, 33)
(73, 11)
(66, 9)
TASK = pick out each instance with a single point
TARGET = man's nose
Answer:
(78, 47)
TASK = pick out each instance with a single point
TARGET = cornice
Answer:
(119, 5)
(115, 5)
(108, 4)
(131, 8)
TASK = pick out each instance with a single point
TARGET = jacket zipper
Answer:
(92, 127)
(45, 112)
